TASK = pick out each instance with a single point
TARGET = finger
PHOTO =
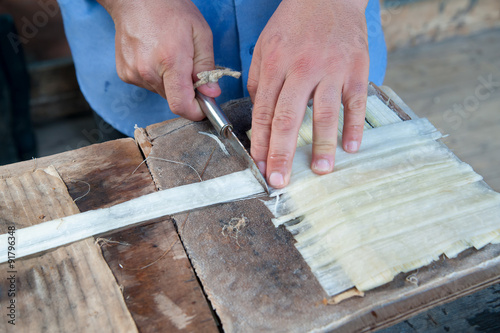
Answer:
(354, 98)
(271, 80)
(135, 70)
(148, 78)
(178, 83)
(203, 59)
(254, 72)
(325, 125)
(287, 119)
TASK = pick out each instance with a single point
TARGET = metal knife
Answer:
(225, 130)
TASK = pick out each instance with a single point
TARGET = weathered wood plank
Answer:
(169, 298)
(108, 168)
(69, 289)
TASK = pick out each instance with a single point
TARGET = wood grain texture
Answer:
(158, 282)
(143, 141)
(108, 168)
(69, 289)
(256, 280)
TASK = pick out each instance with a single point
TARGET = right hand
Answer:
(161, 46)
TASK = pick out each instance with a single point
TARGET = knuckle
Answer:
(252, 85)
(259, 145)
(177, 106)
(356, 105)
(271, 67)
(206, 62)
(273, 41)
(263, 115)
(167, 63)
(147, 75)
(354, 127)
(323, 146)
(285, 121)
(303, 66)
(325, 116)
(279, 158)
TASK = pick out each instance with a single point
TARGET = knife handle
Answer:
(214, 114)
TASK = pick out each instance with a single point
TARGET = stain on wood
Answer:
(69, 289)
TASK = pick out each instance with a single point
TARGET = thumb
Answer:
(203, 59)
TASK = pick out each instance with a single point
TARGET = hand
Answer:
(161, 46)
(308, 49)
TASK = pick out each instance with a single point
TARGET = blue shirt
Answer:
(236, 26)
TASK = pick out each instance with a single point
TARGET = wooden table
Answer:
(255, 281)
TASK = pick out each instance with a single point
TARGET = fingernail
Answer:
(213, 85)
(322, 165)
(352, 146)
(262, 167)
(276, 179)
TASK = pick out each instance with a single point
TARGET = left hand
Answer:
(308, 49)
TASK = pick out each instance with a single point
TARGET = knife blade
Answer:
(225, 130)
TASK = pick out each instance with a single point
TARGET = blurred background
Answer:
(444, 61)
